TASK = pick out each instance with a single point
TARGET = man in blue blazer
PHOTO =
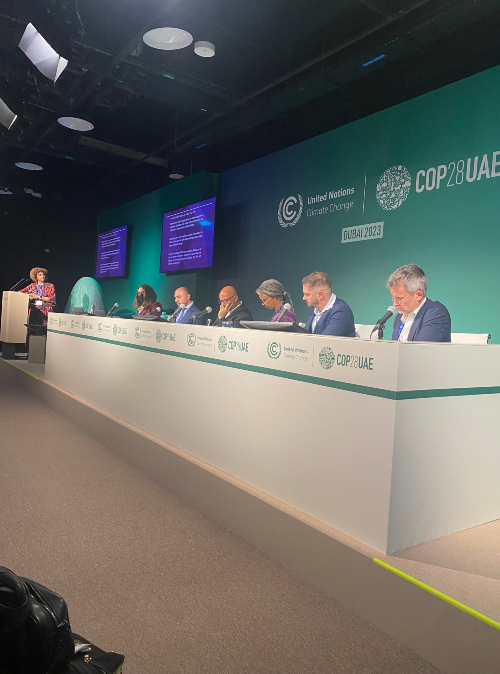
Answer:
(183, 296)
(419, 319)
(329, 314)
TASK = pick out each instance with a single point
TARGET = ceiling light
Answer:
(168, 38)
(176, 176)
(4, 190)
(28, 167)
(373, 60)
(7, 117)
(205, 49)
(41, 54)
(75, 123)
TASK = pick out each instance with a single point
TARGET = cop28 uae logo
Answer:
(274, 350)
(222, 343)
(158, 335)
(290, 210)
(191, 339)
(326, 358)
(393, 187)
(115, 329)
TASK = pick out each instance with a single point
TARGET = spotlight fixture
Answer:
(75, 123)
(28, 190)
(41, 54)
(28, 167)
(204, 49)
(168, 38)
(4, 190)
(175, 176)
(11, 103)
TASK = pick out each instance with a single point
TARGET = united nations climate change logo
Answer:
(274, 350)
(191, 339)
(115, 329)
(158, 335)
(222, 344)
(326, 358)
(393, 187)
(290, 210)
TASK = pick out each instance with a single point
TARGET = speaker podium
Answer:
(14, 317)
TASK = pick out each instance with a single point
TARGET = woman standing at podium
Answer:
(145, 301)
(42, 295)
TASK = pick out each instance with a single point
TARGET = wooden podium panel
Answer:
(14, 317)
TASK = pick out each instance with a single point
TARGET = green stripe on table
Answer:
(308, 379)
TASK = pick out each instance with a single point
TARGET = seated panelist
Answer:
(273, 296)
(145, 301)
(329, 314)
(183, 296)
(231, 308)
(419, 318)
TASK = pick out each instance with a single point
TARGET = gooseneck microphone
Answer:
(208, 310)
(18, 283)
(283, 311)
(111, 311)
(179, 308)
(379, 325)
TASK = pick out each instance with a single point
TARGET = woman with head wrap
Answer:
(42, 295)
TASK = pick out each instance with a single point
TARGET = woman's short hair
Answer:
(150, 296)
(35, 271)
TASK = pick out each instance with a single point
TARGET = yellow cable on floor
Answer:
(441, 595)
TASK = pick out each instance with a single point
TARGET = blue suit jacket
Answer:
(192, 311)
(337, 321)
(432, 324)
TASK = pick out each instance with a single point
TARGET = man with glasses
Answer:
(419, 318)
(231, 308)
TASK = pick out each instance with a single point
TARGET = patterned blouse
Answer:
(45, 290)
(289, 316)
(154, 308)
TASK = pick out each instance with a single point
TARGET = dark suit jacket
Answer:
(432, 324)
(238, 315)
(337, 321)
(192, 311)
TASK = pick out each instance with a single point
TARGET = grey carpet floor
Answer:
(149, 576)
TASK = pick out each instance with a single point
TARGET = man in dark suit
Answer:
(329, 314)
(419, 319)
(231, 308)
(183, 296)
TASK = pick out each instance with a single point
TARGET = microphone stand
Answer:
(380, 331)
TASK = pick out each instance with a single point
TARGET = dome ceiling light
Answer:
(28, 167)
(75, 124)
(204, 49)
(168, 38)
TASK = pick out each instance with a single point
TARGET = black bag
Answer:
(35, 634)
(89, 659)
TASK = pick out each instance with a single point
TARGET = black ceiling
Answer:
(284, 70)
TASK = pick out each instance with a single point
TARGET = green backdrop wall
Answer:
(433, 213)
(145, 216)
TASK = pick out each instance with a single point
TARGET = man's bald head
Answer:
(227, 292)
(182, 296)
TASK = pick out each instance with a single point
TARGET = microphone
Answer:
(179, 308)
(283, 311)
(382, 321)
(208, 310)
(115, 306)
(18, 283)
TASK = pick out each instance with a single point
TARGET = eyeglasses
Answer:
(398, 299)
(224, 301)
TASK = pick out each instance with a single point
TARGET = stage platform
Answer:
(464, 566)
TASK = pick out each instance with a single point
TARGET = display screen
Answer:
(188, 237)
(111, 253)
